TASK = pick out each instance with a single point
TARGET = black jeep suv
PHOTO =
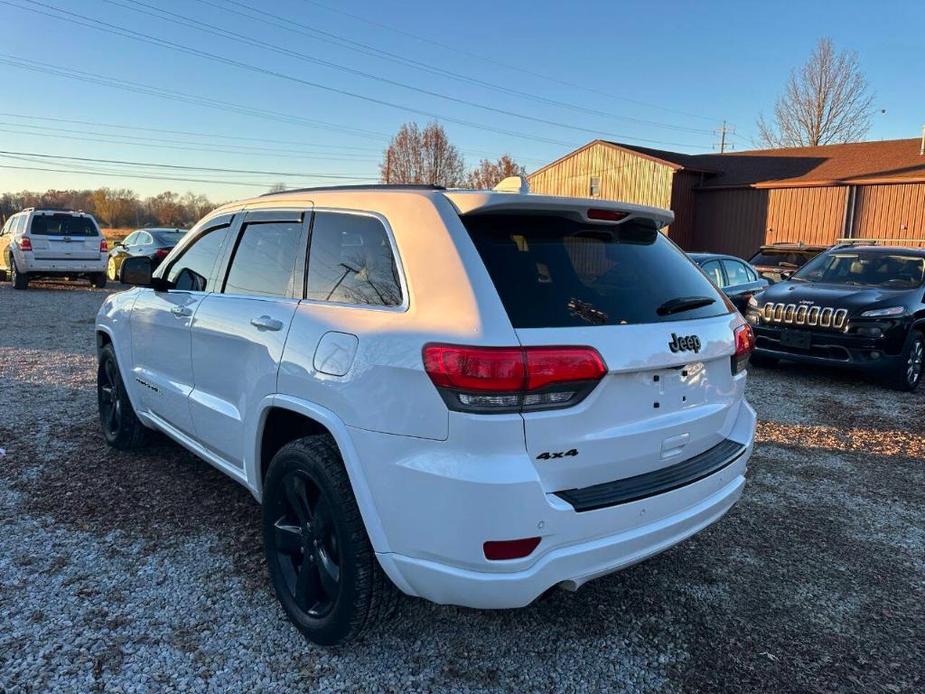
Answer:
(856, 306)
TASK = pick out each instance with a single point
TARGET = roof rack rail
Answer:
(50, 209)
(362, 186)
(878, 242)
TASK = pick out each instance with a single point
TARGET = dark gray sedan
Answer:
(734, 276)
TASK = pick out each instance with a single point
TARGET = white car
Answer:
(470, 396)
(52, 243)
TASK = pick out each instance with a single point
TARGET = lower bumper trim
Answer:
(655, 482)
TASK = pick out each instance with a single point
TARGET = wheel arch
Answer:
(285, 410)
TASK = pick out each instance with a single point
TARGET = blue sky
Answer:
(662, 74)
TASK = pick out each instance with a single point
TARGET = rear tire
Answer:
(763, 362)
(907, 374)
(98, 280)
(121, 427)
(322, 566)
(19, 279)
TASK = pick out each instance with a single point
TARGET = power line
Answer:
(181, 167)
(133, 175)
(184, 132)
(290, 25)
(163, 43)
(164, 143)
(495, 61)
(171, 94)
(212, 29)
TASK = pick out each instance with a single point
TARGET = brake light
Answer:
(512, 379)
(161, 253)
(510, 549)
(104, 246)
(25, 243)
(745, 344)
(607, 215)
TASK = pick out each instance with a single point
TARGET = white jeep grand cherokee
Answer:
(52, 243)
(472, 396)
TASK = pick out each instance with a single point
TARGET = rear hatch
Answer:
(63, 236)
(663, 330)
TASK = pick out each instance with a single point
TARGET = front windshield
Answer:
(781, 258)
(891, 270)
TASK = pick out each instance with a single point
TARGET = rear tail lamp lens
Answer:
(745, 344)
(512, 379)
(161, 253)
(104, 246)
(25, 243)
(496, 550)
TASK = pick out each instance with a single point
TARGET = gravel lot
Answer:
(140, 572)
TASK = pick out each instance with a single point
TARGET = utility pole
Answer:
(722, 137)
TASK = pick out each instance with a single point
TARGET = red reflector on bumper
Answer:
(510, 549)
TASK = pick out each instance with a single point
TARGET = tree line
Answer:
(115, 207)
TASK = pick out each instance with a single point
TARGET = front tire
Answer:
(20, 280)
(907, 374)
(321, 563)
(121, 427)
(111, 271)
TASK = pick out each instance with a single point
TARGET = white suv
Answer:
(472, 396)
(52, 243)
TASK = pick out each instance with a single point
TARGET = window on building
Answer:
(595, 187)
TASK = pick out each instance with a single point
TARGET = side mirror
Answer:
(137, 271)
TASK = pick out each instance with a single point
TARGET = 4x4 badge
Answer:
(684, 343)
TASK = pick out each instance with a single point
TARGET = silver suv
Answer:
(52, 243)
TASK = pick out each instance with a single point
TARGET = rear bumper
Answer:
(41, 266)
(575, 565)
(437, 508)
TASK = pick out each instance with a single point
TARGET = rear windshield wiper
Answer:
(683, 303)
(587, 312)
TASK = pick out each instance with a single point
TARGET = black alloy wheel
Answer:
(306, 546)
(121, 427)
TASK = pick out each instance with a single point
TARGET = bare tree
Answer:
(489, 173)
(422, 156)
(278, 188)
(826, 102)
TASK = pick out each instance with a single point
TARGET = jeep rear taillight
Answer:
(512, 379)
(25, 243)
(745, 343)
(104, 246)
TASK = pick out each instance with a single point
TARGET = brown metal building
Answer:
(735, 202)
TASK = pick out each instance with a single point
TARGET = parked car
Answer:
(855, 306)
(38, 243)
(473, 396)
(778, 261)
(734, 276)
(155, 244)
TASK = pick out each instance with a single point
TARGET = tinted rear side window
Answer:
(350, 261)
(62, 225)
(553, 272)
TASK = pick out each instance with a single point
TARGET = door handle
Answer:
(267, 323)
(181, 311)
